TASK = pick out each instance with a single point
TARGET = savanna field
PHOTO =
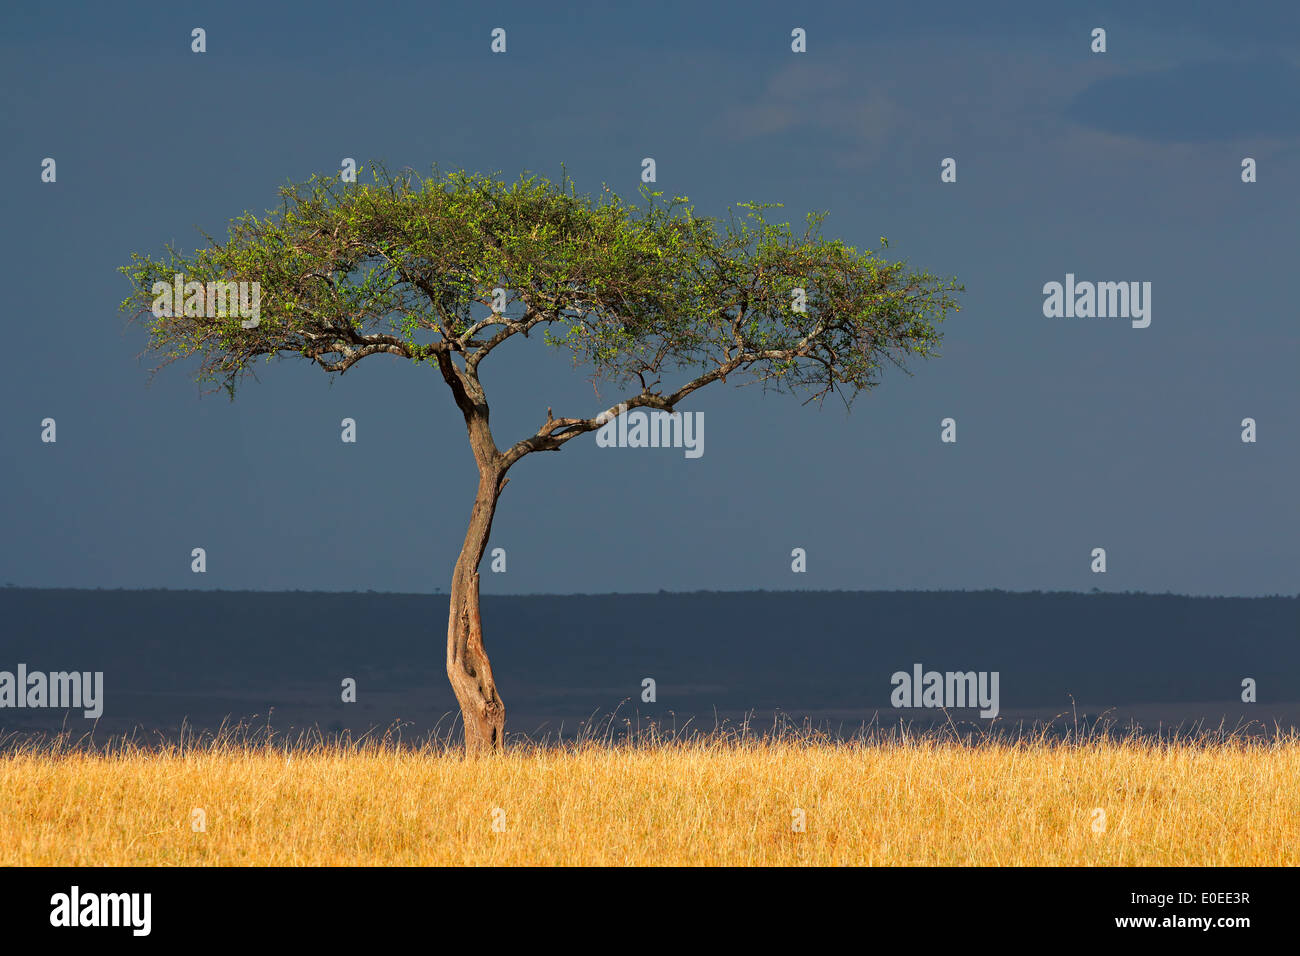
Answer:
(902, 800)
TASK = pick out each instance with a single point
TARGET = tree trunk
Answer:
(467, 662)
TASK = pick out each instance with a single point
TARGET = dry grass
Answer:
(724, 799)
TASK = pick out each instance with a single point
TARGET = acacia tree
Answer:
(444, 270)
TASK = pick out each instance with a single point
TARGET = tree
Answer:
(444, 270)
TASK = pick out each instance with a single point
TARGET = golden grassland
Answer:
(720, 799)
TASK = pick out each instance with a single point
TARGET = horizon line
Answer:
(1094, 592)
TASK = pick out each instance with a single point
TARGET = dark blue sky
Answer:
(1072, 433)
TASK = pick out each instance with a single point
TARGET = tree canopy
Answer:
(457, 263)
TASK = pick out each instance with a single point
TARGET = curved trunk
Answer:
(467, 661)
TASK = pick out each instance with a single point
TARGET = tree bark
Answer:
(467, 661)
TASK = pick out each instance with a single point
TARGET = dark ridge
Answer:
(201, 657)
